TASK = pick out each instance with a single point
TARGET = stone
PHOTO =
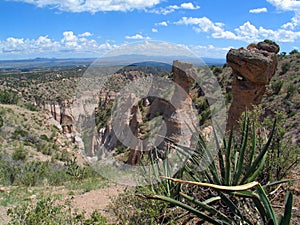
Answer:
(252, 69)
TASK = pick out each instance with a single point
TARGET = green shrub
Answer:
(291, 90)
(19, 154)
(217, 70)
(74, 170)
(1, 122)
(276, 86)
(128, 208)
(8, 170)
(32, 173)
(294, 51)
(8, 97)
(49, 211)
(285, 67)
(44, 137)
(18, 133)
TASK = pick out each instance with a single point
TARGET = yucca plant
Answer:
(238, 198)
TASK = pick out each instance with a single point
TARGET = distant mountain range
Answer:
(44, 63)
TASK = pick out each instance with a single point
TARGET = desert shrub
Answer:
(217, 70)
(44, 137)
(294, 51)
(32, 173)
(291, 90)
(44, 147)
(8, 170)
(285, 67)
(1, 122)
(283, 155)
(282, 54)
(55, 175)
(49, 211)
(8, 97)
(19, 133)
(19, 154)
(128, 208)
(276, 86)
(228, 97)
(74, 170)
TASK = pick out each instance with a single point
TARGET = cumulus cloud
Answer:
(205, 25)
(154, 30)
(163, 23)
(47, 47)
(246, 32)
(210, 51)
(85, 34)
(258, 10)
(93, 6)
(137, 37)
(172, 8)
(288, 5)
(189, 5)
(202, 24)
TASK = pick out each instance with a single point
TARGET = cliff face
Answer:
(175, 112)
(252, 70)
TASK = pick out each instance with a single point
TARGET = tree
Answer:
(295, 51)
(1, 122)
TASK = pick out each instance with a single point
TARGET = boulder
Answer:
(252, 70)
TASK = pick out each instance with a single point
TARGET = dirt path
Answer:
(96, 199)
(3, 216)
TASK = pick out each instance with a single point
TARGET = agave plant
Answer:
(232, 178)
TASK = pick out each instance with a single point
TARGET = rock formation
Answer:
(177, 113)
(62, 114)
(252, 70)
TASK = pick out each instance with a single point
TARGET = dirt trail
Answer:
(3, 216)
(96, 199)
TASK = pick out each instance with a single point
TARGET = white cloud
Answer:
(189, 5)
(93, 6)
(172, 8)
(137, 37)
(210, 51)
(154, 30)
(295, 21)
(85, 34)
(258, 10)
(246, 32)
(69, 39)
(153, 48)
(163, 23)
(203, 24)
(288, 5)
(69, 45)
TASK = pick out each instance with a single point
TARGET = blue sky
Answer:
(90, 28)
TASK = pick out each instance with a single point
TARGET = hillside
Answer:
(37, 104)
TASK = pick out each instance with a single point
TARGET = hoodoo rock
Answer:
(175, 110)
(177, 114)
(252, 69)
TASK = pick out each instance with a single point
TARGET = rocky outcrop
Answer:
(178, 112)
(252, 70)
(62, 114)
(134, 121)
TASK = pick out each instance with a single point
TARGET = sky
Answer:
(91, 28)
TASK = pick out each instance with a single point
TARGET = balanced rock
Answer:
(252, 70)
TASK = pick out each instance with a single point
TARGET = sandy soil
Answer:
(96, 199)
